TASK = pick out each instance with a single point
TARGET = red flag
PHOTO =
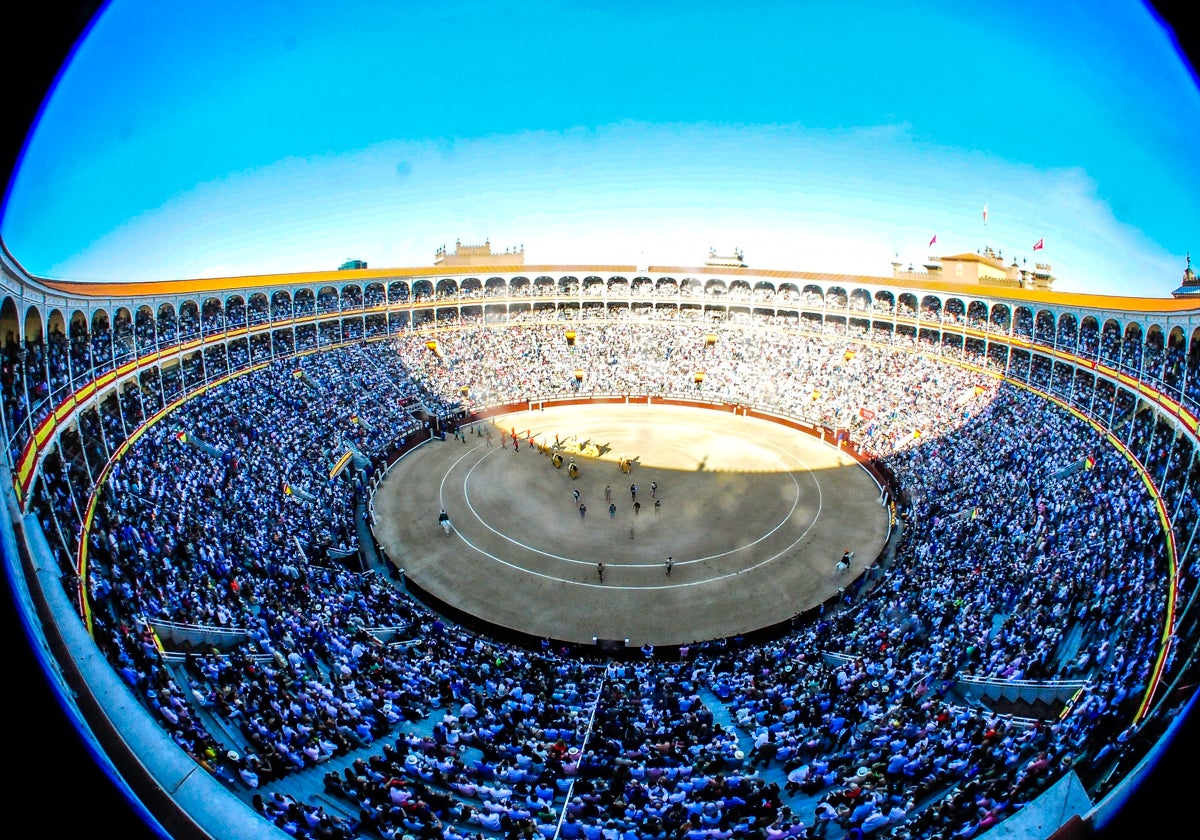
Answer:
(985, 214)
(1039, 245)
(931, 241)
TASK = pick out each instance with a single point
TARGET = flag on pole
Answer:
(985, 214)
(933, 240)
(340, 464)
(1039, 245)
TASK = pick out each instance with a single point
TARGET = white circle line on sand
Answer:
(746, 547)
(710, 579)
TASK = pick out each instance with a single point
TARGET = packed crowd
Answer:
(1017, 564)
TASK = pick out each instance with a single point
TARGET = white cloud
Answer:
(843, 201)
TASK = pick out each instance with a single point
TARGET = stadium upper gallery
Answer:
(485, 548)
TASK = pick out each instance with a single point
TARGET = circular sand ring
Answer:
(755, 515)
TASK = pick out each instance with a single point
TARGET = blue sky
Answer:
(224, 138)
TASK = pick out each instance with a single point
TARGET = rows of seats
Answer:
(1018, 563)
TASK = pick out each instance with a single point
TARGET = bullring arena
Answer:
(229, 496)
(755, 514)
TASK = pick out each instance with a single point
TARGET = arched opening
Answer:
(1023, 323)
(235, 311)
(352, 297)
(1131, 348)
(304, 303)
(977, 314)
(328, 300)
(1110, 342)
(189, 320)
(1043, 328)
(1175, 361)
(212, 316)
(1088, 343)
(122, 336)
(1068, 332)
(954, 311)
(1000, 319)
(422, 291)
(398, 292)
(374, 295)
(931, 308)
(281, 305)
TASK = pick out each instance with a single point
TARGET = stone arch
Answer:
(304, 302)
(835, 298)
(422, 290)
(189, 319)
(167, 323)
(351, 297)
(397, 292)
(33, 332)
(1133, 347)
(931, 308)
(885, 301)
(1110, 341)
(56, 325)
(1043, 327)
(954, 310)
(977, 314)
(10, 327)
(1000, 318)
(235, 311)
(1175, 362)
(1023, 322)
(281, 305)
(145, 328)
(328, 300)
(740, 287)
(1089, 336)
(122, 331)
(212, 315)
(1068, 331)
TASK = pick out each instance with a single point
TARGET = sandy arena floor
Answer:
(756, 516)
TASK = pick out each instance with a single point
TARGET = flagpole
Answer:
(987, 234)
